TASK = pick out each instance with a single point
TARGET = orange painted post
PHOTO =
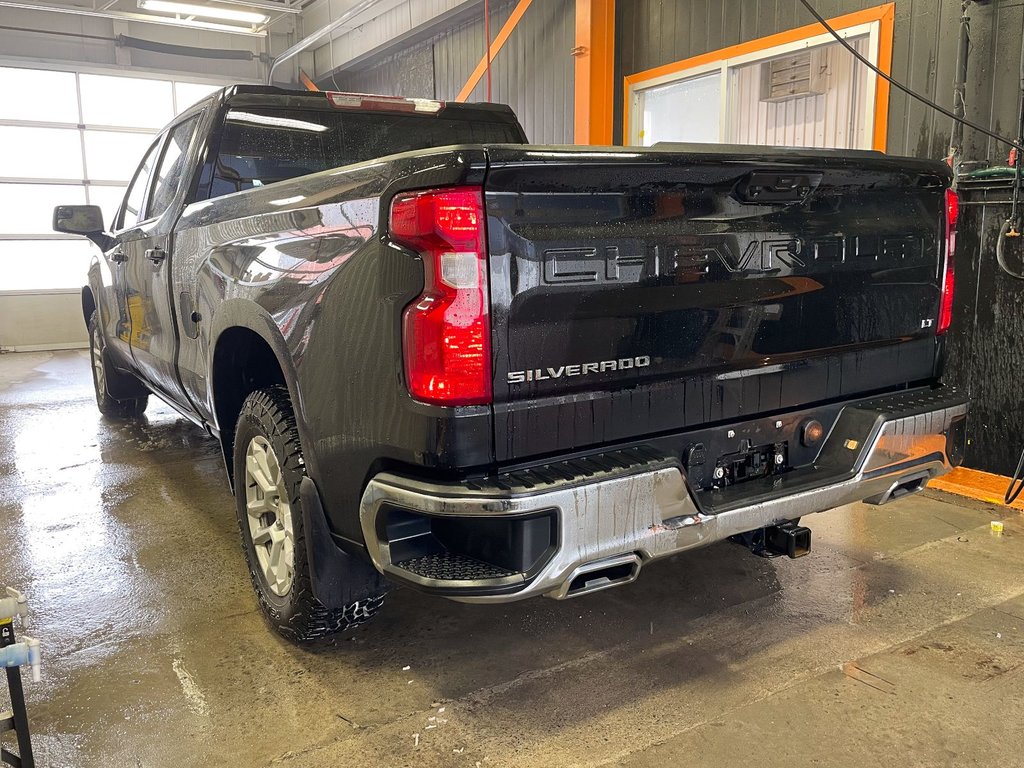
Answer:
(497, 45)
(886, 32)
(595, 66)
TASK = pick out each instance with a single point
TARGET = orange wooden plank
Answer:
(975, 484)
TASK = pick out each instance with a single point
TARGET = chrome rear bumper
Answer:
(632, 507)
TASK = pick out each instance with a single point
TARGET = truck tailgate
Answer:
(642, 292)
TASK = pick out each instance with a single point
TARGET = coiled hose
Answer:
(1007, 231)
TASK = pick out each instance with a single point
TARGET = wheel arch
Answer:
(247, 353)
(88, 303)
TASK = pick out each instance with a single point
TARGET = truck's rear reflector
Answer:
(446, 331)
(949, 275)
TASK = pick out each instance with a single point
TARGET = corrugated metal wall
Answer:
(534, 72)
(833, 119)
(374, 29)
(408, 72)
(650, 33)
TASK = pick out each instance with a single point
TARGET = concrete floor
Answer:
(899, 641)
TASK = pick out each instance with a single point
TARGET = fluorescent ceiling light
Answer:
(206, 11)
(137, 18)
(276, 122)
(263, 6)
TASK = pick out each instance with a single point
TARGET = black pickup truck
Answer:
(436, 355)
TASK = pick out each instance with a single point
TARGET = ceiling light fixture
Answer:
(263, 5)
(206, 11)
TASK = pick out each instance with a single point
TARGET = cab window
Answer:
(172, 167)
(136, 194)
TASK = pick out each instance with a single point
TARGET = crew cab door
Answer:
(154, 338)
(116, 319)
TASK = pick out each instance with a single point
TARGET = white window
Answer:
(71, 138)
(807, 93)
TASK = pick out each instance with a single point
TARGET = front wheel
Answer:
(268, 468)
(102, 373)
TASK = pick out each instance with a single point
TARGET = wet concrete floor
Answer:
(899, 641)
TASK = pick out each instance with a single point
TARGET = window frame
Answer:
(877, 23)
(118, 226)
(80, 175)
(191, 115)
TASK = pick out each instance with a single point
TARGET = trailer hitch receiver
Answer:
(787, 539)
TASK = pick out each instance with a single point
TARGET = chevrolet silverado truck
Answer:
(438, 356)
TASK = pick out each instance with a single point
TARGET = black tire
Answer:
(103, 374)
(268, 421)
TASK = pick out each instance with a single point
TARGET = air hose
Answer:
(1007, 231)
(1010, 229)
(1016, 483)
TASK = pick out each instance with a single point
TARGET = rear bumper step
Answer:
(576, 527)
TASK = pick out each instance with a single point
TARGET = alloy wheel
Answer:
(269, 515)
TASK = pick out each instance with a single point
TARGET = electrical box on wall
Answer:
(795, 75)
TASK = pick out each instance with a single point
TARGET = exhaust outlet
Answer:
(598, 575)
(907, 485)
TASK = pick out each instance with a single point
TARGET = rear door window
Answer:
(131, 209)
(172, 167)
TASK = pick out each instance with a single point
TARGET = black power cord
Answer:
(1016, 483)
(1009, 228)
(909, 91)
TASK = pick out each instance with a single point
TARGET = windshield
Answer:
(261, 145)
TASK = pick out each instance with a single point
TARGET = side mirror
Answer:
(85, 220)
(78, 219)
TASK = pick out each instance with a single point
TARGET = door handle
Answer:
(117, 255)
(156, 255)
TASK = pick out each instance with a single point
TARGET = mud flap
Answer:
(122, 386)
(338, 578)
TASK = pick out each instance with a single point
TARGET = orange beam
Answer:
(885, 15)
(595, 67)
(496, 45)
(307, 82)
(886, 33)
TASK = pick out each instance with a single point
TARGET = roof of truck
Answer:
(344, 100)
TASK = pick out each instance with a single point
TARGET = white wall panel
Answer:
(833, 119)
(34, 321)
(382, 26)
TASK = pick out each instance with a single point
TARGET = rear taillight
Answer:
(949, 275)
(446, 331)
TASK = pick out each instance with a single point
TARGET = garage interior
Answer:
(899, 639)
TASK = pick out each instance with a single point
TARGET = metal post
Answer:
(19, 715)
(24, 758)
(956, 141)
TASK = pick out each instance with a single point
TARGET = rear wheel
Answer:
(103, 375)
(268, 468)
